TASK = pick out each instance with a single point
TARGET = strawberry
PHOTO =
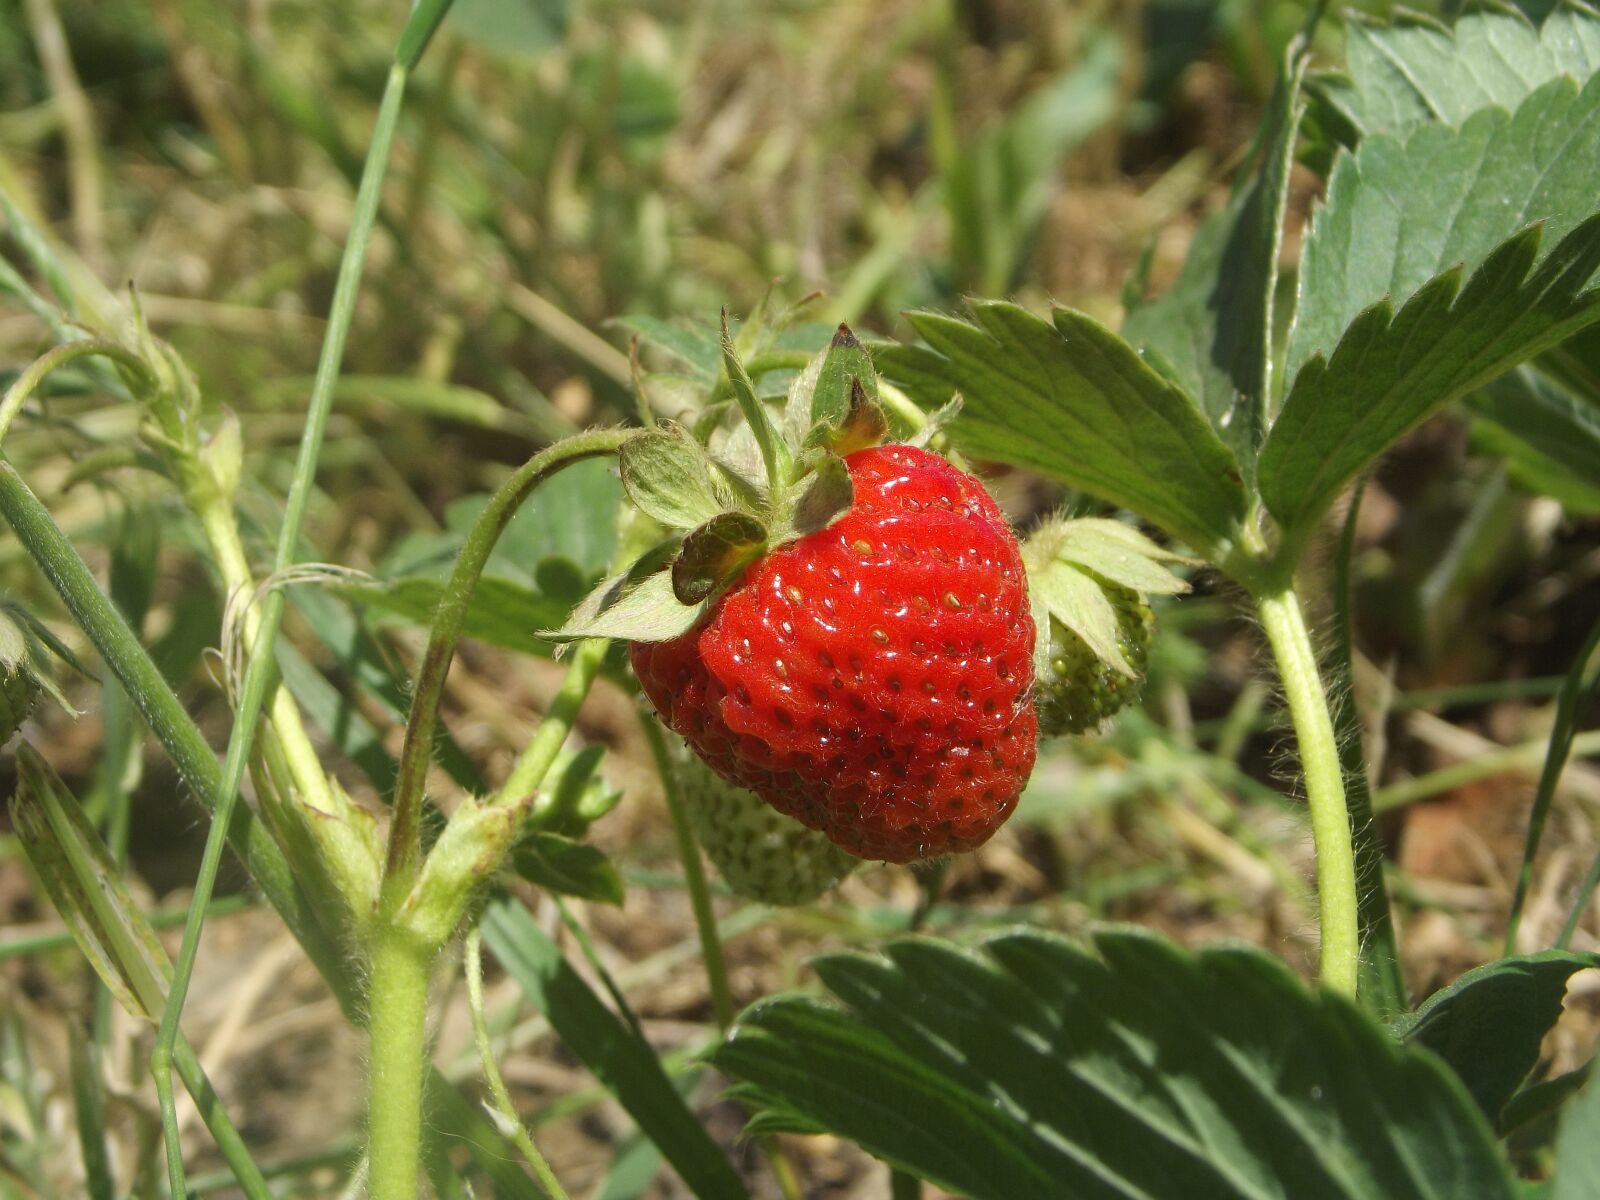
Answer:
(872, 679)
(1079, 690)
(761, 854)
(1088, 579)
(839, 626)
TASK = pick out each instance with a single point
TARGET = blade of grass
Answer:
(260, 673)
(1573, 693)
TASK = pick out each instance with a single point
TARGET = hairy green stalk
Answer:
(449, 620)
(1337, 897)
(397, 1020)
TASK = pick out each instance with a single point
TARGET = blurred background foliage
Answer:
(567, 173)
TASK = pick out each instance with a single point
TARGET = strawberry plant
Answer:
(793, 564)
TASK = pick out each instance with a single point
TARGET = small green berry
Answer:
(760, 853)
(1080, 690)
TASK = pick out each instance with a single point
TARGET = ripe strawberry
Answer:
(1080, 690)
(760, 853)
(871, 679)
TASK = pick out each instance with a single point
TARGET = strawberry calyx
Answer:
(1088, 581)
(749, 488)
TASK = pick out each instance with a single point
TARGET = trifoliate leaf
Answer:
(714, 554)
(1032, 1069)
(1400, 211)
(1416, 70)
(1391, 370)
(669, 476)
(1075, 402)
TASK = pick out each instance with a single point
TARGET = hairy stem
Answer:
(1285, 626)
(449, 620)
(397, 1019)
(534, 762)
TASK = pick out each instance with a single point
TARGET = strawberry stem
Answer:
(448, 622)
(1285, 626)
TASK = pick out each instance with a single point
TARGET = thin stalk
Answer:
(1522, 758)
(449, 620)
(33, 375)
(705, 923)
(491, 1073)
(694, 873)
(1337, 900)
(534, 762)
(397, 1020)
(1561, 735)
(261, 671)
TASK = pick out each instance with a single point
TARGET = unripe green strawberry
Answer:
(19, 680)
(1079, 690)
(1087, 580)
(760, 853)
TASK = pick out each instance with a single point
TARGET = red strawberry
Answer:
(872, 679)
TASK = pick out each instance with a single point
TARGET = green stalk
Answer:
(24, 385)
(694, 873)
(260, 673)
(491, 1073)
(449, 620)
(534, 762)
(1285, 626)
(397, 1019)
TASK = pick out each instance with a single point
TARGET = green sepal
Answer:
(1070, 564)
(670, 476)
(819, 499)
(636, 605)
(834, 402)
(936, 422)
(715, 554)
(863, 424)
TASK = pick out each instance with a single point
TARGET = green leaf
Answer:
(1577, 1175)
(620, 1059)
(1488, 1024)
(845, 363)
(84, 885)
(715, 554)
(669, 476)
(1549, 439)
(1074, 402)
(1416, 70)
(691, 343)
(1213, 329)
(1032, 1069)
(1391, 370)
(572, 868)
(1400, 211)
(502, 613)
